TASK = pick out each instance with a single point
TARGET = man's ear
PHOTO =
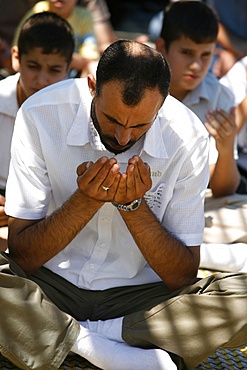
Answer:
(160, 45)
(15, 58)
(91, 84)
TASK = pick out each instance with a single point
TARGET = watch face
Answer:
(135, 205)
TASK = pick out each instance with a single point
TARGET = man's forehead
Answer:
(112, 106)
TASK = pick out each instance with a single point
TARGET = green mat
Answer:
(222, 359)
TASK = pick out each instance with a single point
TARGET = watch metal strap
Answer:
(132, 206)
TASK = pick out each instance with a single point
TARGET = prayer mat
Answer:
(222, 359)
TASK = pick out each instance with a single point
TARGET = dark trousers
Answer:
(38, 316)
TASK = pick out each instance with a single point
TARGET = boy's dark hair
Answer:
(137, 67)
(192, 19)
(48, 31)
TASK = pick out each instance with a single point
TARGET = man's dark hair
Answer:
(137, 67)
(192, 19)
(48, 31)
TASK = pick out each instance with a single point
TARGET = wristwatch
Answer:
(132, 206)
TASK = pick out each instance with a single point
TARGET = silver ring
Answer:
(104, 187)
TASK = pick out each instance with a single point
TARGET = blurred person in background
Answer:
(101, 20)
(232, 35)
(42, 56)
(11, 13)
(86, 53)
(135, 19)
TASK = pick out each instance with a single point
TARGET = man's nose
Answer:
(123, 135)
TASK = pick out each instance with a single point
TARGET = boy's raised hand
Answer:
(222, 126)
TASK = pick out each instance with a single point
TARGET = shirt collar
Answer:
(79, 133)
(199, 93)
(154, 144)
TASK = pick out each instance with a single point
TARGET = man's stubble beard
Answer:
(104, 138)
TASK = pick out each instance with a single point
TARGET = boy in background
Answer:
(187, 41)
(42, 57)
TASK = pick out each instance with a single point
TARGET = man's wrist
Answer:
(132, 206)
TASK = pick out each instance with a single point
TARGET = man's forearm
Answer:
(225, 178)
(173, 261)
(32, 243)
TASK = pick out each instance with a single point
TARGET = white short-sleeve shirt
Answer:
(210, 94)
(54, 134)
(8, 111)
(236, 80)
